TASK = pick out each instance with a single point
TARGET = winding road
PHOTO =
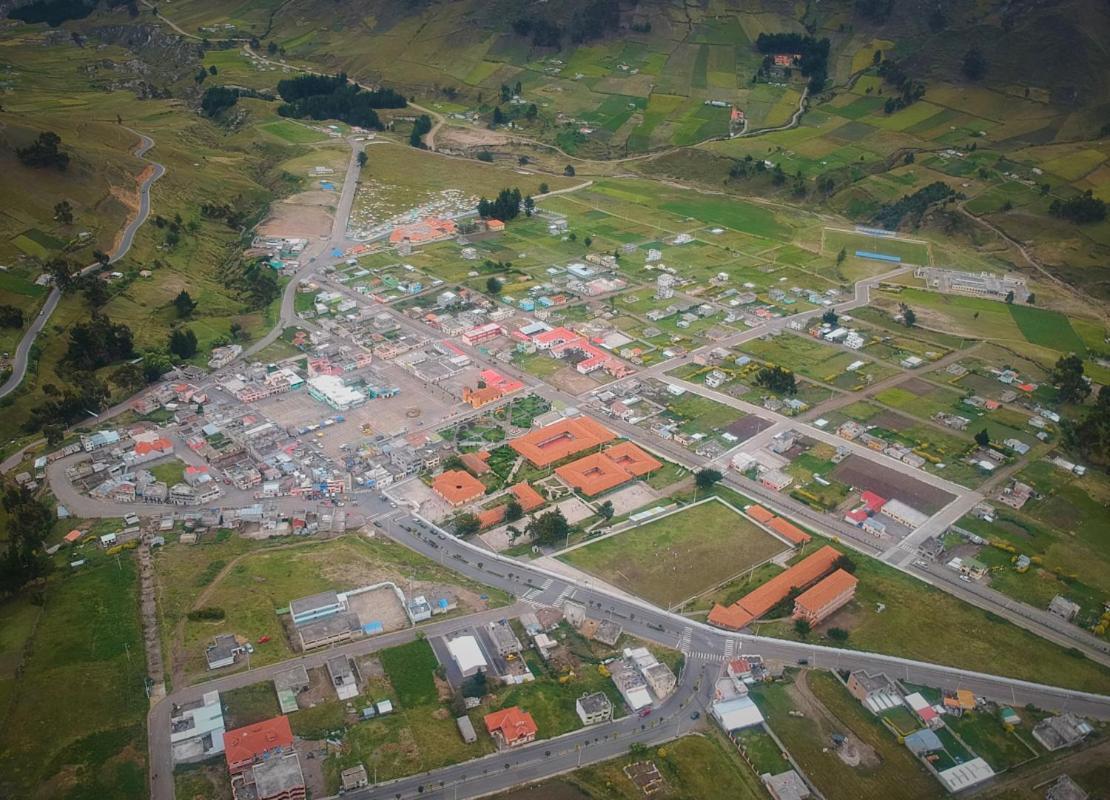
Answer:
(23, 350)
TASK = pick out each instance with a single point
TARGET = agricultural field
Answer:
(669, 560)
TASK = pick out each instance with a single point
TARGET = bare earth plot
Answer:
(678, 556)
(861, 473)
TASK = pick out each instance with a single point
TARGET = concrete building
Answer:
(594, 708)
(661, 680)
(288, 684)
(224, 651)
(467, 655)
(1064, 608)
(1064, 788)
(354, 778)
(276, 778)
(1061, 731)
(786, 786)
(906, 515)
(314, 607)
(197, 729)
(504, 639)
(332, 391)
(343, 678)
(736, 713)
(876, 692)
(466, 730)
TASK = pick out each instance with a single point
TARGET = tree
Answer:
(184, 304)
(544, 188)
(505, 207)
(1067, 377)
(238, 332)
(908, 317)
(28, 525)
(130, 376)
(802, 627)
(838, 634)
(568, 170)
(63, 212)
(549, 528)
(493, 285)
(54, 433)
(1090, 437)
(422, 126)
(1010, 296)
(362, 158)
(11, 317)
(982, 438)
(183, 343)
(830, 317)
(466, 524)
(588, 241)
(97, 343)
(476, 685)
(845, 563)
(843, 254)
(606, 510)
(706, 478)
(513, 510)
(974, 65)
(45, 151)
(1031, 299)
(529, 206)
(778, 379)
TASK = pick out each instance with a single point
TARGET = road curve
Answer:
(23, 349)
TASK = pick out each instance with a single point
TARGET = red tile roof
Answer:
(826, 591)
(244, 746)
(475, 463)
(788, 531)
(512, 724)
(593, 474)
(560, 439)
(732, 617)
(457, 487)
(632, 459)
(487, 519)
(159, 445)
(528, 497)
(759, 513)
(765, 597)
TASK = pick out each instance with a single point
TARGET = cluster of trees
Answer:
(1090, 437)
(183, 342)
(11, 317)
(184, 303)
(1067, 376)
(746, 167)
(1080, 209)
(85, 393)
(45, 151)
(875, 10)
(235, 215)
(596, 19)
(814, 53)
(914, 205)
(909, 90)
(322, 97)
(506, 206)
(217, 100)
(29, 522)
(778, 379)
(500, 117)
(254, 281)
(422, 125)
(98, 342)
(549, 528)
(63, 212)
(974, 65)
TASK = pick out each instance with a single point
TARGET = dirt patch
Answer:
(852, 752)
(572, 381)
(444, 690)
(319, 689)
(860, 472)
(464, 138)
(303, 215)
(312, 755)
(916, 387)
(892, 421)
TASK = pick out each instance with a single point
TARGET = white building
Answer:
(197, 730)
(467, 655)
(334, 392)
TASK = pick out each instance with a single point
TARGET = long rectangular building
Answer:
(768, 595)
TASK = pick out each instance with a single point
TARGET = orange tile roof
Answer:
(160, 445)
(763, 598)
(528, 497)
(73, 536)
(632, 459)
(759, 513)
(560, 439)
(487, 519)
(244, 746)
(457, 486)
(594, 474)
(788, 530)
(425, 230)
(826, 591)
(511, 723)
(475, 463)
(732, 617)
(495, 225)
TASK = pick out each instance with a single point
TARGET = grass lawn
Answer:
(985, 734)
(169, 472)
(410, 668)
(694, 767)
(249, 704)
(671, 559)
(897, 777)
(86, 653)
(1047, 328)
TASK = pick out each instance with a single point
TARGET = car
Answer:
(803, 662)
(377, 524)
(263, 639)
(645, 712)
(965, 579)
(695, 715)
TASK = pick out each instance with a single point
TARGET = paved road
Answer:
(23, 350)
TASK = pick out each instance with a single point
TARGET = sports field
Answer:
(674, 558)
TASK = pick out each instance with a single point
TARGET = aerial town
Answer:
(483, 468)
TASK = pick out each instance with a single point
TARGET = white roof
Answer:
(916, 701)
(638, 698)
(467, 654)
(964, 775)
(739, 712)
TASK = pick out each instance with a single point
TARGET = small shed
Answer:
(466, 729)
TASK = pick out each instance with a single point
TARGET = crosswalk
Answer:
(684, 642)
(567, 594)
(730, 648)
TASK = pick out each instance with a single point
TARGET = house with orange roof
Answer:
(72, 536)
(430, 229)
(149, 450)
(528, 497)
(593, 474)
(765, 597)
(829, 594)
(495, 225)
(789, 531)
(759, 514)
(491, 517)
(476, 398)
(554, 442)
(632, 459)
(458, 487)
(511, 727)
(476, 462)
(246, 746)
